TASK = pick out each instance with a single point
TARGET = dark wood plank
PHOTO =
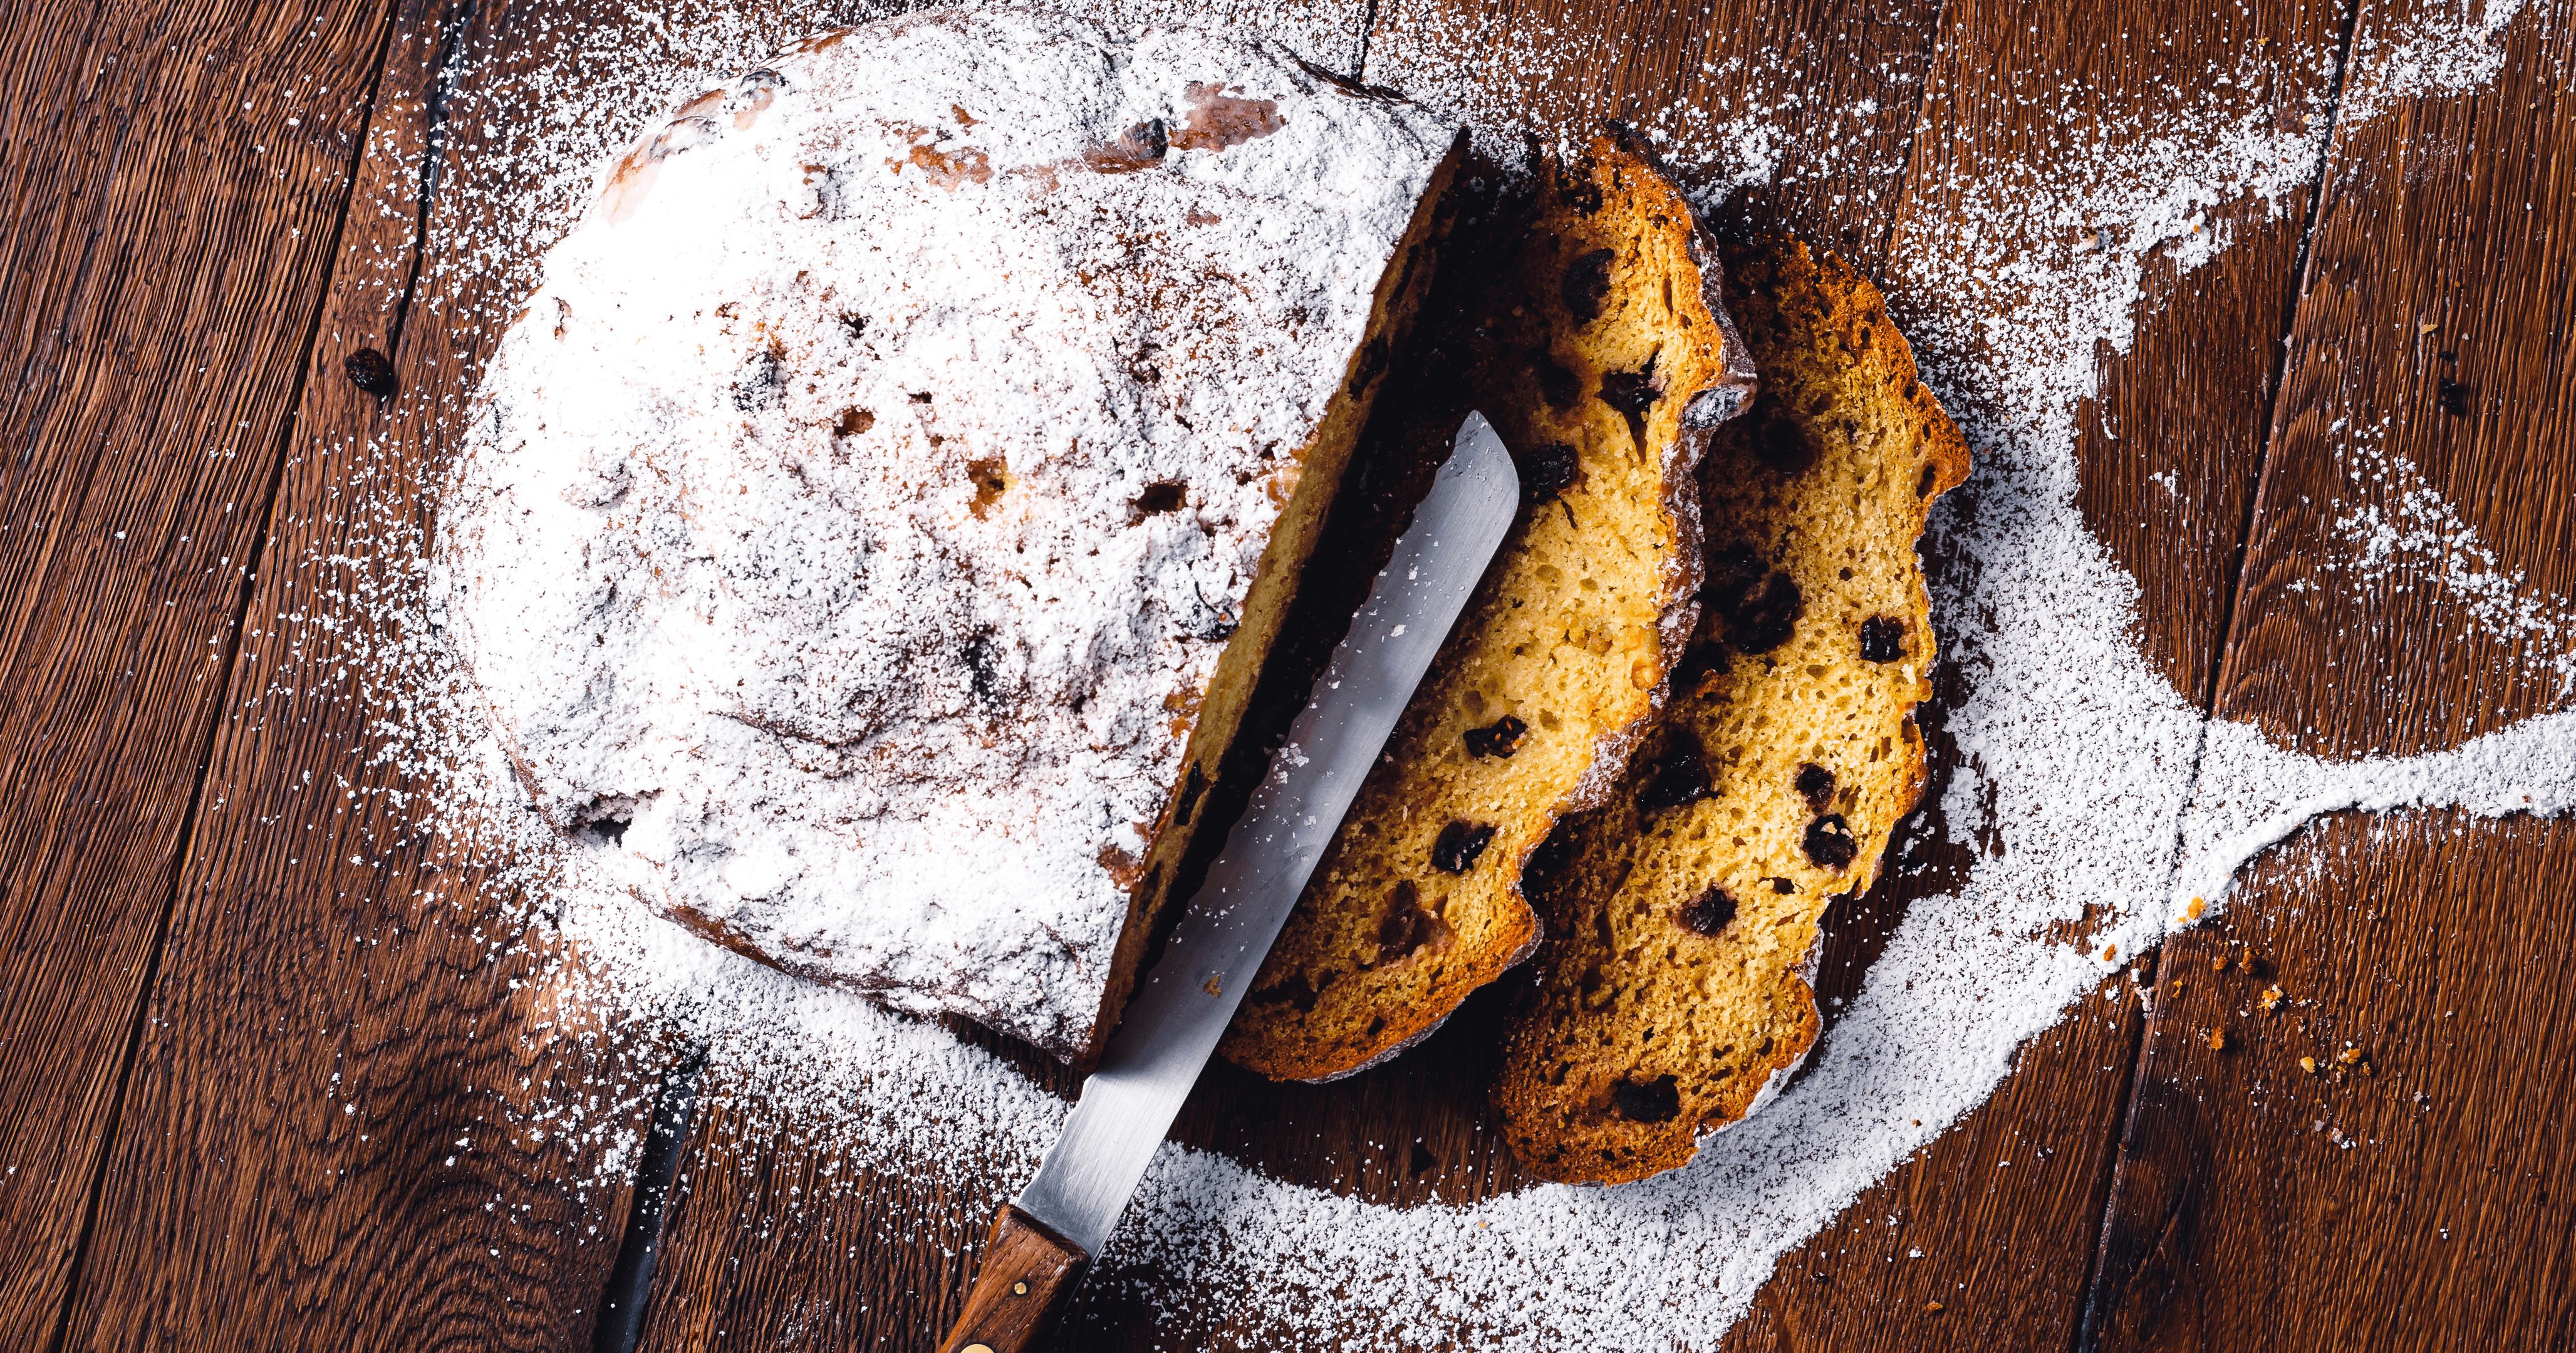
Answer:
(2068, 104)
(341, 1129)
(2174, 433)
(1831, 86)
(2419, 1198)
(2241, 1218)
(173, 176)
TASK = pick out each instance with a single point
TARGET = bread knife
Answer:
(1045, 1239)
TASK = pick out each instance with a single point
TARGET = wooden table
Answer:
(243, 1018)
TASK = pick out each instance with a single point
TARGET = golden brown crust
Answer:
(1155, 895)
(1672, 992)
(1602, 354)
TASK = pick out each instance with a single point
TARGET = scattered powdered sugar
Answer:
(2436, 53)
(884, 462)
(2252, 794)
(2085, 778)
(2417, 538)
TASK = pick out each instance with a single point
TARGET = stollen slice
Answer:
(1597, 340)
(1672, 994)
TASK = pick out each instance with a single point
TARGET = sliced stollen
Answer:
(868, 540)
(1594, 336)
(1682, 916)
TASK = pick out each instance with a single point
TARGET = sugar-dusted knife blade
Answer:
(1041, 1243)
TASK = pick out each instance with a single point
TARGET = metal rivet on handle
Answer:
(1019, 1289)
(976, 1348)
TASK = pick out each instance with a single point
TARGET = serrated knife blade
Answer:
(1043, 1241)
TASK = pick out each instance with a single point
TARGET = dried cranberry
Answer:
(1553, 854)
(1586, 285)
(1882, 639)
(1557, 384)
(1785, 445)
(1680, 778)
(1547, 472)
(1631, 391)
(1500, 738)
(1407, 928)
(1731, 567)
(1142, 146)
(1816, 786)
(1160, 498)
(1709, 913)
(1654, 1101)
(1700, 663)
(762, 380)
(983, 668)
(1459, 844)
(369, 371)
(1760, 616)
(2453, 397)
(1829, 842)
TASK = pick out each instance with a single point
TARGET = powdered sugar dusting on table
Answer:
(884, 462)
(2097, 783)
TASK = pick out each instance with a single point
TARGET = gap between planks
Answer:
(2086, 1330)
(205, 741)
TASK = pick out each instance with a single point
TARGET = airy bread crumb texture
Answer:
(1682, 916)
(1594, 335)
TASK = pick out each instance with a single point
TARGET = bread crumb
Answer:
(2308, 1064)
(1931, 1308)
(2218, 1040)
(2198, 905)
(2271, 999)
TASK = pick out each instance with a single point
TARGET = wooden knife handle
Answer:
(1028, 1273)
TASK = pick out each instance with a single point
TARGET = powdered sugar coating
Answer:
(863, 503)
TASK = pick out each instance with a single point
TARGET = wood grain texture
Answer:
(2257, 1203)
(2005, 1248)
(335, 1021)
(172, 178)
(2418, 1198)
(2026, 103)
(339, 1130)
(1831, 87)
(1020, 1289)
(2441, 259)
